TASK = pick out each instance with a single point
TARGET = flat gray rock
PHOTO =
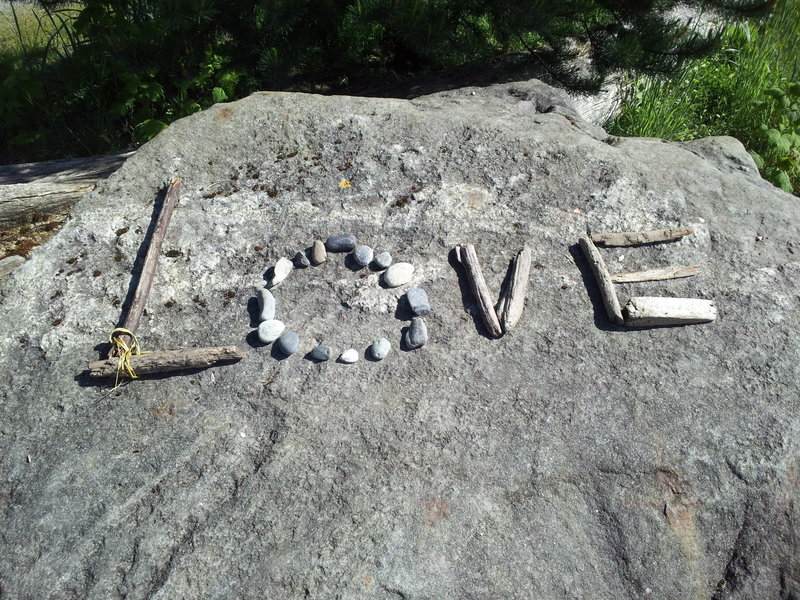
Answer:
(418, 302)
(344, 242)
(383, 260)
(417, 334)
(568, 459)
(322, 353)
(10, 263)
(288, 343)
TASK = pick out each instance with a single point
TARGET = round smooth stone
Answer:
(417, 333)
(266, 305)
(288, 343)
(318, 253)
(383, 260)
(418, 301)
(322, 352)
(380, 348)
(301, 261)
(341, 243)
(398, 274)
(271, 330)
(363, 255)
(281, 270)
(349, 356)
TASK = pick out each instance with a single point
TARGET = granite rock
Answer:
(568, 459)
(344, 242)
(398, 274)
(418, 302)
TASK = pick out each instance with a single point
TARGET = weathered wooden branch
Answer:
(512, 297)
(636, 238)
(151, 260)
(50, 187)
(468, 257)
(673, 272)
(603, 278)
(653, 311)
(172, 360)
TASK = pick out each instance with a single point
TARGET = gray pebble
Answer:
(383, 260)
(380, 348)
(271, 330)
(301, 261)
(266, 305)
(288, 343)
(417, 334)
(341, 243)
(318, 253)
(362, 255)
(418, 302)
(322, 353)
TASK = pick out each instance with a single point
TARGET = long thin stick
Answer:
(172, 360)
(151, 259)
(636, 238)
(512, 298)
(468, 257)
(673, 272)
(603, 278)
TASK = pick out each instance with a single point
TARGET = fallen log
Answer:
(170, 360)
(654, 311)
(637, 238)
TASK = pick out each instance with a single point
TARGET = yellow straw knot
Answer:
(124, 351)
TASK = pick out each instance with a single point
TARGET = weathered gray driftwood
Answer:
(635, 238)
(9, 263)
(151, 260)
(50, 187)
(172, 360)
(468, 257)
(512, 297)
(652, 311)
(673, 272)
(603, 278)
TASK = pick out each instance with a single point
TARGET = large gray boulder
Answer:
(569, 459)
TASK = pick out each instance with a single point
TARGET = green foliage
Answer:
(115, 72)
(743, 90)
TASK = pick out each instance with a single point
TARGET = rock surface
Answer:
(568, 459)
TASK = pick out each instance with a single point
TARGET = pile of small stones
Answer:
(394, 275)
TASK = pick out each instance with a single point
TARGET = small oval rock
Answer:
(318, 253)
(271, 330)
(288, 343)
(417, 334)
(418, 302)
(363, 255)
(281, 270)
(266, 305)
(349, 356)
(322, 352)
(398, 274)
(383, 260)
(341, 243)
(380, 348)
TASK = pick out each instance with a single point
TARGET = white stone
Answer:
(271, 330)
(349, 356)
(266, 305)
(281, 270)
(398, 274)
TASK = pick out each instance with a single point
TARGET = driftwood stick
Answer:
(653, 311)
(512, 297)
(636, 238)
(603, 278)
(151, 260)
(673, 272)
(468, 257)
(172, 360)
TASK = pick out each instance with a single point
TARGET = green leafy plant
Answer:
(779, 156)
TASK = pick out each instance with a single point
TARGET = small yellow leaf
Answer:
(344, 184)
